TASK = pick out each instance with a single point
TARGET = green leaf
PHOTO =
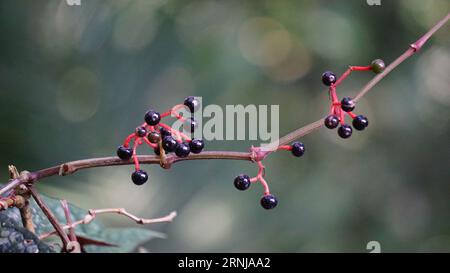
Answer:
(125, 239)
(16, 239)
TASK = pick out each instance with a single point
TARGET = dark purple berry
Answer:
(345, 131)
(347, 104)
(139, 177)
(328, 78)
(298, 149)
(192, 103)
(360, 122)
(331, 122)
(152, 118)
(192, 124)
(154, 137)
(378, 66)
(164, 132)
(269, 201)
(182, 150)
(140, 131)
(169, 144)
(196, 145)
(124, 153)
(242, 182)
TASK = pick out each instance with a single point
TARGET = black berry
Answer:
(169, 144)
(360, 122)
(139, 177)
(298, 149)
(140, 131)
(242, 182)
(182, 150)
(345, 131)
(154, 137)
(269, 201)
(192, 124)
(328, 78)
(192, 103)
(124, 153)
(152, 117)
(331, 122)
(347, 104)
(378, 66)
(164, 132)
(196, 145)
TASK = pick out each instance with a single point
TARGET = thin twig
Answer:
(51, 217)
(93, 213)
(12, 201)
(24, 204)
(413, 48)
(71, 167)
(66, 208)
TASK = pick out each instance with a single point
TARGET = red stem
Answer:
(127, 141)
(135, 158)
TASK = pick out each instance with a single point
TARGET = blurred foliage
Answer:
(75, 80)
(116, 239)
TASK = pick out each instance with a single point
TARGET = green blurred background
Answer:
(75, 80)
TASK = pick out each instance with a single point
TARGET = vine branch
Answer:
(255, 154)
(121, 211)
(52, 218)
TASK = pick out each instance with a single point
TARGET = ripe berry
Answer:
(152, 117)
(298, 149)
(192, 103)
(347, 104)
(345, 131)
(192, 124)
(378, 66)
(269, 201)
(242, 182)
(328, 78)
(331, 122)
(169, 144)
(360, 122)
(139, 177)
(182, 150)
(154, 137)
(124, 153)
(164, 132)
(196, 145)
(140, 131)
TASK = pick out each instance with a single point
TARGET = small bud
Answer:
(378, 66)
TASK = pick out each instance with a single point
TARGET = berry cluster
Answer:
(162, 138)
(339, 109)
(268, 201)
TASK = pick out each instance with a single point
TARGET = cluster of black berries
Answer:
(242, 182)
(359, 122)
(160, 136)
(347, 105)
